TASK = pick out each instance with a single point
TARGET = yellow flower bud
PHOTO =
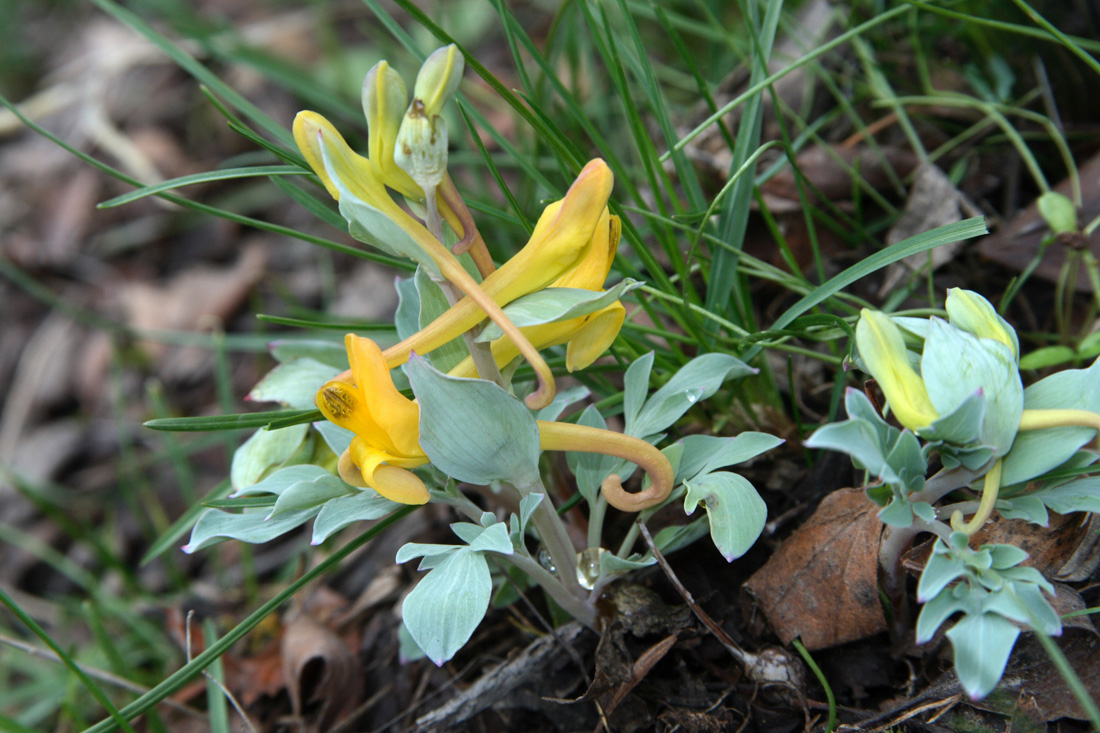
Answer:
(882, 349)
(973, 313)
(438, 79)
(384, 101)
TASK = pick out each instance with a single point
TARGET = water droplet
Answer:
(545, 561)
(588, 567)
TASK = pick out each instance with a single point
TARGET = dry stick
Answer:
(482, 354)
(98, 674)
(738, 653)
(766, 667)
(225, 690)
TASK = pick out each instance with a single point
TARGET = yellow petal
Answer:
(310, 129)
(400, 485)
(560, 243)
(391, 481)
(384, 101)
(591, 272)
(561, 239)
(398, 416)
(595, 336)
(342, 404)
(883, 351)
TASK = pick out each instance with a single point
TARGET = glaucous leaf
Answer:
(735, 511)
(558, 304)
(1037, 451)
(347, 510)
(294, 383)
(473, 430)
(216, 526)
(697, 380)
(956, 364)
(706, 453)
(265, 450)
(982, 645)
(446, 607)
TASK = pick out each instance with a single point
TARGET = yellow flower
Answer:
(561, 246)
(883, 351)
(588, 336)
(386, 426)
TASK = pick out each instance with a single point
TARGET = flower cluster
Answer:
(572, 247)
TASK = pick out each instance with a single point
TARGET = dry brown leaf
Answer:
(827, 171)
(933, 201)
(1040, 692)
(319, 668)
(1048, 548)
(822, 585)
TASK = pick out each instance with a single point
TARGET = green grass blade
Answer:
(188, 63)
(240, 421)
(195, 178)
(171, 536)
(923, 242)
(116, 719)
(394, 262)
(181, 676)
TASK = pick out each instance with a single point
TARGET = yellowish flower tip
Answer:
(308, 128)
(438, 79)
(562, 237)
(400, 485)
(883, 351)
(384, 101)
(973, 313)
(591, 272)
(311, 132)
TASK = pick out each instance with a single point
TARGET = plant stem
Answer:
(985, 508)
(481, 353)
(555, 538)
(578, 608)
(471, 238)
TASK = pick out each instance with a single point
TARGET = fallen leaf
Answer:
(1048, 548)
(1032, 678)
(319, 669)
(821, 584)
(828, 172)
(933, 201)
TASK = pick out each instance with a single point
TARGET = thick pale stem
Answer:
(481, 353)
(1042, 419)
(555, 539)
(985, 508)
(471, 238)
(559, 436)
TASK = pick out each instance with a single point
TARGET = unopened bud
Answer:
(438, 79)
(1056, 209)
(422, 147)
(973, 313)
